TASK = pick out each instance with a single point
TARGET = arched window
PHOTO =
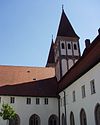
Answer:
(63, 119)
(97, 114)
(75, 47)
(72, 122)
(83, 120)
(34, 120)
(15, 121)
(53, 120)
(69, 46)
(62, 46)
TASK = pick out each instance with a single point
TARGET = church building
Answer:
(64, 92)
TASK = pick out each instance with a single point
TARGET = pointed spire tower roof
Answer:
(65, 28)
(51, 60)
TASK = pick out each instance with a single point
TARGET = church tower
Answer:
(66, 48)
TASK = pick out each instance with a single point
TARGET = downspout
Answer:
(65, 107)
(58, 110)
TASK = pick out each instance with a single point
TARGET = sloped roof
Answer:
(10, 75)
(65, 28)
(51, 60)
(46, 84)
(90, 58)
(40, 88)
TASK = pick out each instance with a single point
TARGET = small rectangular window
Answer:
(28, 101)
(37, 101)
(46, 101)
(12, 99)
(74, 98)
(92, 84)
(83, 91)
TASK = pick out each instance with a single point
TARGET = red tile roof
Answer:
(41, 88)
(90, 58)
(10, 75)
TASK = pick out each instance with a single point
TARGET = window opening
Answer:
(83, 91)
(92, 84)
(69, 46)
(28, 101)
(62, 45)
(75, 46)
(12, 99)
(46, 101)
(37, 101)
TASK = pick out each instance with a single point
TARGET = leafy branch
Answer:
(7, 112)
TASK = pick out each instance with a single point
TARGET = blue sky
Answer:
(26, 27)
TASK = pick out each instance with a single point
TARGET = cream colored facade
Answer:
(88, 103)
(25, 111)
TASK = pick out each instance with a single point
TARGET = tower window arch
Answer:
(83, 119)
(97, 114)
(62, 46)
(75, 46)
(69, 46)
(72, 121)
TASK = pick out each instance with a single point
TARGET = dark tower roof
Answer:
(51, 60)
(65, 28)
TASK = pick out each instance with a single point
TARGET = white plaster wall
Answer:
(70, 63)
(58, 71)
(25, 111)
(76, 60)
(64, 66)
(89, 102)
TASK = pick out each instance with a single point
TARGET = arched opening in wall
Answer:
(63, 119)
(53, 120)
(72, 121)
(34, 120)
(75, 46)
(62, 46)
(97, 114)
(69, 46)
(15, 121)
(83, 119)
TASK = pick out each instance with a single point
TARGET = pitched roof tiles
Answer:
(65, 28)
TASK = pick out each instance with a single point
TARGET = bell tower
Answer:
(66, 48)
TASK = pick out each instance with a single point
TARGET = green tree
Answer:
(7, 112)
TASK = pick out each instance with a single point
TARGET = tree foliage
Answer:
(7, 112)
